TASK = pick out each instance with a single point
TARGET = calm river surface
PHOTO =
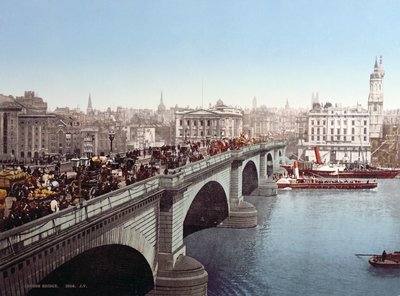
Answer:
(305, 243)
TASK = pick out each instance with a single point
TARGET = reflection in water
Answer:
(305, 243)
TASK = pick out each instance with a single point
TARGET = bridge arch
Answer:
(249, 178)
(108, 269)
(208, 208)
(270, 164)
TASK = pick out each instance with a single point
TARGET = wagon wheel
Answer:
(92, 192)
(15, 189)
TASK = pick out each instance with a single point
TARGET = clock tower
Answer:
(375, 101)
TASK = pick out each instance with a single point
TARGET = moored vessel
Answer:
(318, 183)
(340, 170)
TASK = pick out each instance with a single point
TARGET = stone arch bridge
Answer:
(141, 225)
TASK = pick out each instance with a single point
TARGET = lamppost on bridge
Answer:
(79, 166)
(111, 136)
(93, 150)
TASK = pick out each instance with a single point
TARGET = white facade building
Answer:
(218, 122)
(341, 134)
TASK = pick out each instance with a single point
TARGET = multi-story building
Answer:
(391, 117)
(217, 122)
(259, 122)
(9, 110)
(341, 134)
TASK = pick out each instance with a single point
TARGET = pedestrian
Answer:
(54, 206)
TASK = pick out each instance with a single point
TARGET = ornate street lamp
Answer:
(93, 150)
(79, 166)
(111, 136)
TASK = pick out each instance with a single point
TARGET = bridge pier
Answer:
(187, 277)
(241, 213)
(266, 187)
(177, 274)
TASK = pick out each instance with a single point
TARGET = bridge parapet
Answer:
(17, 239)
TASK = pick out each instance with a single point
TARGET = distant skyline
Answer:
(125, 53)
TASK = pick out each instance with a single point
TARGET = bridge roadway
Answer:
(148, 220)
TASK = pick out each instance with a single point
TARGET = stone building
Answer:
(217, 122)
(259, 122)
(342, 134)
(9, 110)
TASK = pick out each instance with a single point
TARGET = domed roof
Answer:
(220, 102)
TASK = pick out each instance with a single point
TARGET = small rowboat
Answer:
(391, 260)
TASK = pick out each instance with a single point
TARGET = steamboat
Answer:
(342, 171)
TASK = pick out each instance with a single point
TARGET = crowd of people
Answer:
(43, 192)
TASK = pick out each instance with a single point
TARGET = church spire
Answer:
(376, 62)
(89, 107)
(161, 106)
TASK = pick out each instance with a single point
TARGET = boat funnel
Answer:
(296, 169)
(317, 156)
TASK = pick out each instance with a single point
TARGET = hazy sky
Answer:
(126, 52)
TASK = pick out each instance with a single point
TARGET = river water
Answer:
(304, 244)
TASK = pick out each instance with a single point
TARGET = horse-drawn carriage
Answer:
(10, 179)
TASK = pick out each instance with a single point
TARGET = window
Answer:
(352, 138)
(338, 138)
(332, 131)
(365, 122)
(352, 130)
(365, 138)
(201, 122)
(318, 122)
(338, 131)
(208, 122)
(312, 122)
(180, 122)
(365, 130)
(312, 130)
(312, 138)
(344, 138)
(332, 122)
(345, 131)
(352, 122)
(317, 138)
